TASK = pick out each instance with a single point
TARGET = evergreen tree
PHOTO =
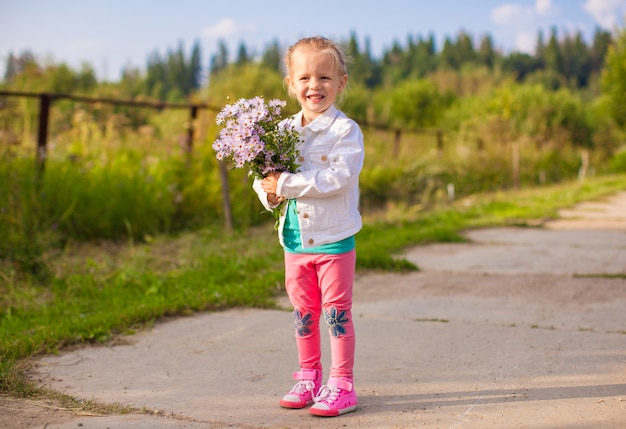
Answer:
(486, 54)
(242, 55)
(174, 76)
(579, 61)
(361, 66)
(520, 64)
(392, 65)
(599, 47)
(540, 49)
(464, 50)
(195, 67)
(19, 64)
(156, 76)
(552, 56)
(614, 79)
(271, 57)
(219, 61)
(177, 77)
(132, 83)
(375, 72)
(423, 58)
(448, 58)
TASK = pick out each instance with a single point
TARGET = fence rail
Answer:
(46, 99)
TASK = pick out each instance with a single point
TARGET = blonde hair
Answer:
(321, 44)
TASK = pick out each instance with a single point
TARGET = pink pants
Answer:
(322, 285)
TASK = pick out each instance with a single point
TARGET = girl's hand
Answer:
(270, 183)
(274, 199)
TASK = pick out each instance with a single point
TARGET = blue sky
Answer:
(112, 34)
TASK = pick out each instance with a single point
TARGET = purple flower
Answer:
(254, 137)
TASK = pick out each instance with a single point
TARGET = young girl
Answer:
(318, 225)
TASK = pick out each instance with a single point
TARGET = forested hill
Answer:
(559, 60)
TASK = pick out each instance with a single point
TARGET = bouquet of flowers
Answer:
(254, 138)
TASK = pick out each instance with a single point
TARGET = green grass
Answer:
(96, 291)
(602, 276)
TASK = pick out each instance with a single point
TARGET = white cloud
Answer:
(225, 28)
(525, 42)
(509, 13)
(521, 22)
(606, 12)
(542, 6)
(506, 13)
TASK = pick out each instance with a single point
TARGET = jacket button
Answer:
(311, 241)
(306, 215)
(324, 158)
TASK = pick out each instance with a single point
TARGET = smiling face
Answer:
(316, 80)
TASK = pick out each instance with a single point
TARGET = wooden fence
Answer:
(46, 100)
(45, 103)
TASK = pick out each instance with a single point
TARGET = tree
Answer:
(599, 47)
(486, 53)
(219, 61)
(520, 64)
(465, 52)
(19, 64)
(174, 76)
(417, 104)
(195, 67)
(156, 75)
(247, 81)
(358, 70)
(423, 58)
(177, 78)
(614, 79)
(552, 56)
(540, 49)
(448, 55)
(578, 69)
(271, 57)
(392, 62)
(243, 57)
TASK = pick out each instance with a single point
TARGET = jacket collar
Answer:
(320, 123)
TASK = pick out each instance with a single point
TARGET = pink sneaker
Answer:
(302, 393)
(337, 397)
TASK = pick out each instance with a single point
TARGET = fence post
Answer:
(42, 134)
(439, 142)
(396, 143)
(584, 166)
(193, 114)
(516, 164)
(228, 212)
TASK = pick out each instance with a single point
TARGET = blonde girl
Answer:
(317, 227)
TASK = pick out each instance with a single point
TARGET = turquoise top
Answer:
(293, 241)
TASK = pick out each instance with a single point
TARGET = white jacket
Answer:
(326, 185)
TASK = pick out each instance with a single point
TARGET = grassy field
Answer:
(98, 290)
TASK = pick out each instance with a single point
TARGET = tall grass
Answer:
(106, 181)
(416, 171)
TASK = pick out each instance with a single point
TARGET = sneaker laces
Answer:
(303, 386)
(327, 393)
